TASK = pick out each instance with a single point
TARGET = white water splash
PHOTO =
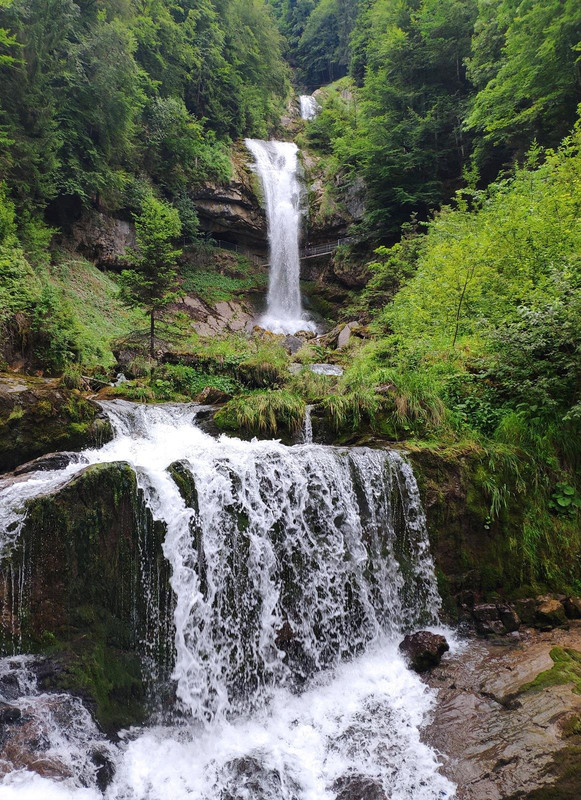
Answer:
(294, 560)
(309, 106)
(276, 164)
(64, 737)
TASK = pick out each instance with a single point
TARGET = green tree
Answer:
(152, 283)
(323, 49)
(415, 95)
(525, 63)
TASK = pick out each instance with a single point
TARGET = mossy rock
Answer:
(39, 416)
(566, 669)
(565, 771)
(87, 584)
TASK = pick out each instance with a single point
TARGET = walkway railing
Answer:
(310, 251)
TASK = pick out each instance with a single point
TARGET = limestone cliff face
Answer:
(233, 211)
(102, 238)
(334, 203)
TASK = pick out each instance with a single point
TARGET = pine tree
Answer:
(152, 283)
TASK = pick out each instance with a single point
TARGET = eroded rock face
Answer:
(423, 649)
(87, 579)
(103, 239)
(38, 416)
(233, 211)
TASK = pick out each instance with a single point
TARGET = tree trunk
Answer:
(152, 333)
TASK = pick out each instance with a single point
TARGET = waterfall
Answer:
(309, 106)
(294, 570)
(308, 426)
(276, 164)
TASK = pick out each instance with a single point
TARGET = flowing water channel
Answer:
(328, 544)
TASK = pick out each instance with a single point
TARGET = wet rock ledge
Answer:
(39, 415)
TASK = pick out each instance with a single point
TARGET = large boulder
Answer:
(550, 614)
(495, 619)
(424, 649)
(39, 416)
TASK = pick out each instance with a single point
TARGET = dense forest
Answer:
(459, 119)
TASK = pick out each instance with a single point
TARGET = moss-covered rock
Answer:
(87, 583)
(39, 416)
(479, 554)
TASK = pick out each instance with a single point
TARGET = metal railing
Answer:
(323, 249)
(310, 251)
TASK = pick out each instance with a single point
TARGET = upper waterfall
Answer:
(277, 165)
(309, 106)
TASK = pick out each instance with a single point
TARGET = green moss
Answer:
(566, 669)
(572, 726)
(184, 479)
(43, 417)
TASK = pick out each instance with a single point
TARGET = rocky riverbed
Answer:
(499, 740)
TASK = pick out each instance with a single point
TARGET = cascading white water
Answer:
(309, 106)
(293, 560)
(308, 426)
(277, 166)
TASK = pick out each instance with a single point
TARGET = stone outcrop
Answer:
(226, 316)
(39, 416)
(233, 211)
(87, 583)
(506, 733)
(103, 239)
(423, 649)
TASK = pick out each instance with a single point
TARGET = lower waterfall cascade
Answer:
(294, 571)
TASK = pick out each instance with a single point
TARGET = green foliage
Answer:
(171, 382)
(436, 82)
(525, 65)
(565, 499)
(503, 281)
(212, 286)
(93, 98)
(263, 412)
(72, 377)
(323, 50)
(346, 412)
(152, 284)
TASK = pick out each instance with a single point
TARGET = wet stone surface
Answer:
(497, 742)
